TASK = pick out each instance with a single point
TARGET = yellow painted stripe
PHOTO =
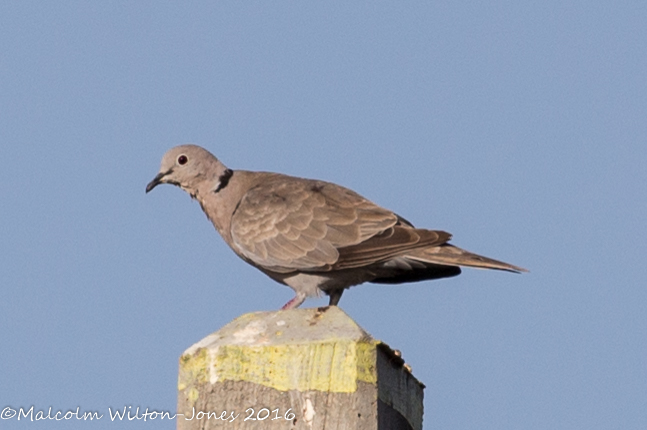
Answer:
(332, 366)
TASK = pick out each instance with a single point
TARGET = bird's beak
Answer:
(156, 181)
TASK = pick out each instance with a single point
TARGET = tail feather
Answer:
(451, 255)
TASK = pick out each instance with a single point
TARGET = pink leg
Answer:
(295, 302)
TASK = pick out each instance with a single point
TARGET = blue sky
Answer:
(520, 127)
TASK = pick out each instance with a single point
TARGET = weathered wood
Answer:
(296, 369)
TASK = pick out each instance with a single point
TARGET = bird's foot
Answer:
(295, 302)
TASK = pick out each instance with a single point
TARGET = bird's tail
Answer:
(451, 255)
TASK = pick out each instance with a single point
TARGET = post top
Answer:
(283, 327)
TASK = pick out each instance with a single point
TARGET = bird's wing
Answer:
(286, 224)
(393, 242)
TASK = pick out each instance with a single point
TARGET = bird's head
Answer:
(188, 167)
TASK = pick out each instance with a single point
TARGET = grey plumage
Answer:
(313, 236)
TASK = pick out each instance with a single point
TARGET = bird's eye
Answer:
(181, 160)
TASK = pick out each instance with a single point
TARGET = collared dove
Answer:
(311, 235)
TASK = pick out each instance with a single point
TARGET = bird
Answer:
(311, 235)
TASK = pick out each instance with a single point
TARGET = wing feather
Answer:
(288, 223)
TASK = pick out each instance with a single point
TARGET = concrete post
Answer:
(296, 369)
